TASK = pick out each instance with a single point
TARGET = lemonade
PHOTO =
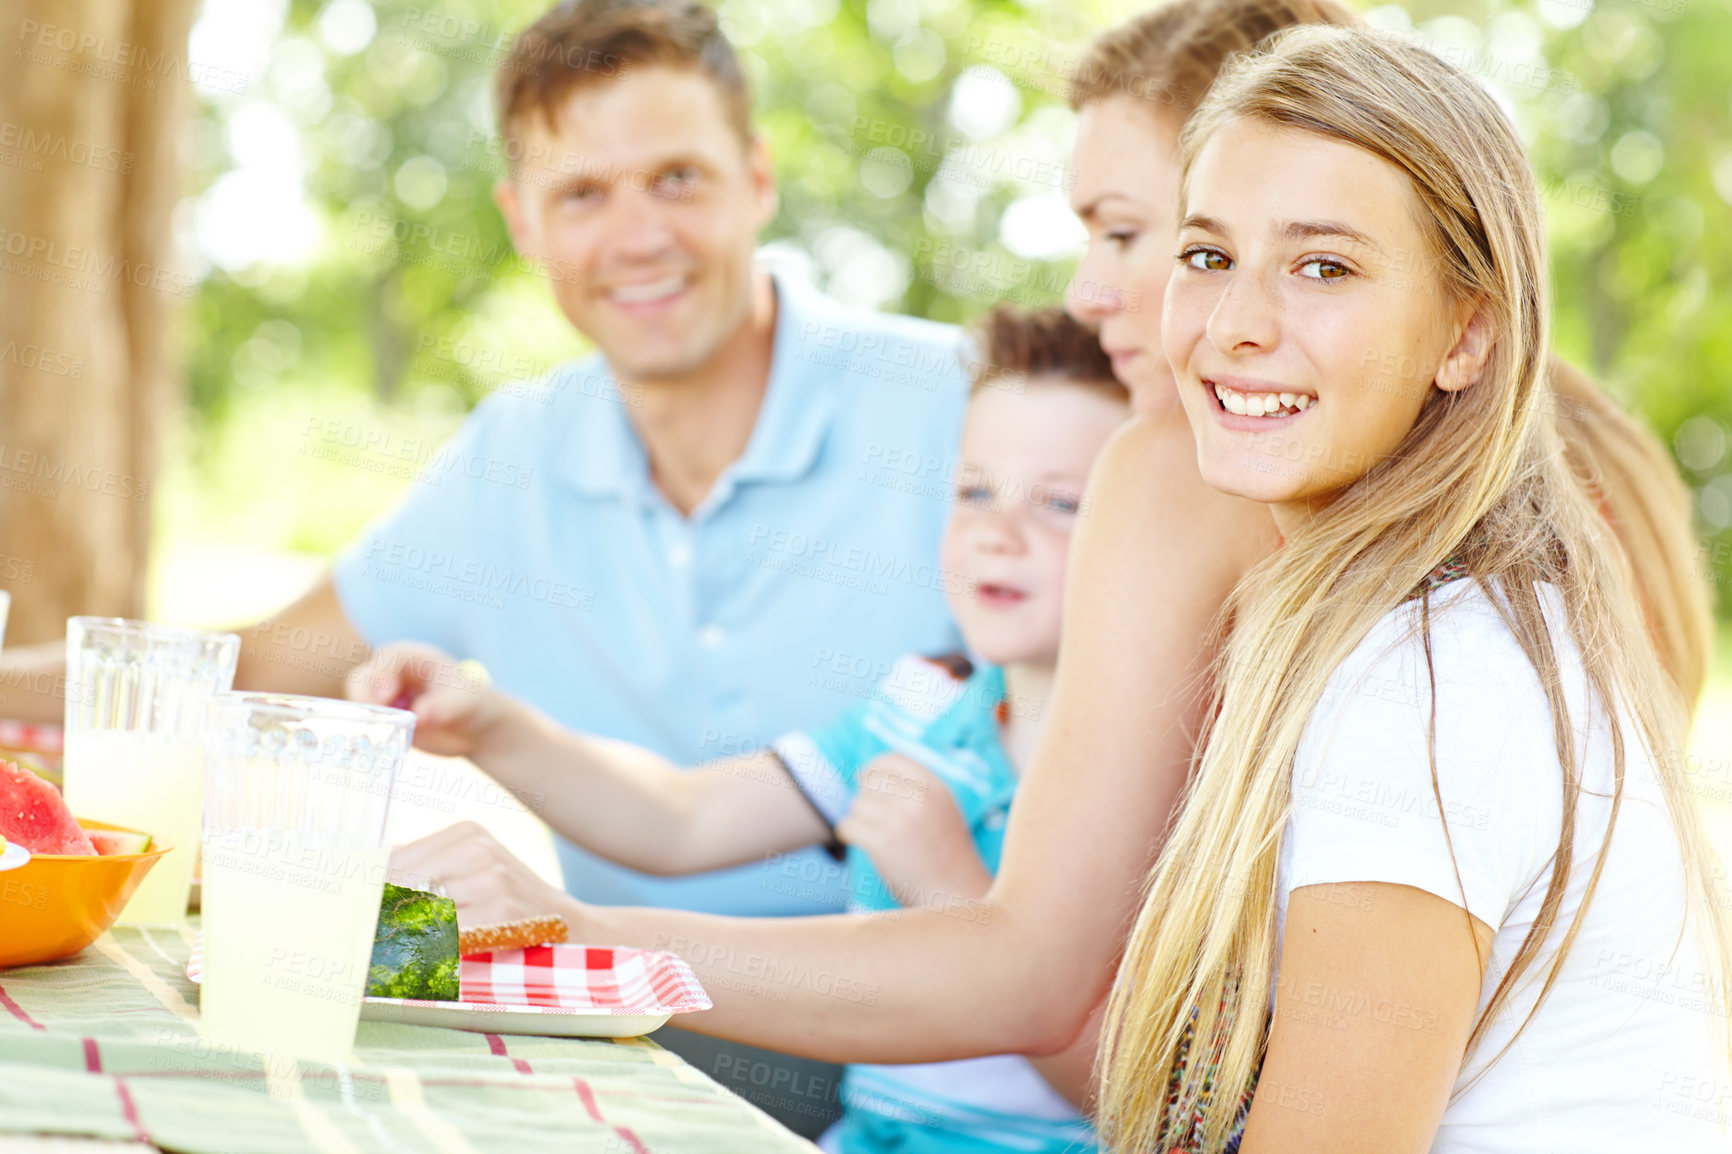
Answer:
(150, 782)
(288, 935)
(135, 701)
(297, 793)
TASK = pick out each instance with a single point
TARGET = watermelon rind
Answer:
(414, 947)
(109, 842)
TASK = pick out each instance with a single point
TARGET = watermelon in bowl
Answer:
(66, 894)
(34, 815)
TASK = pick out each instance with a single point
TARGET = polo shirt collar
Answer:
(605, 459)
(608, 459)
(797, 407)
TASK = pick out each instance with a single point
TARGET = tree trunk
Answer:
(92, 97)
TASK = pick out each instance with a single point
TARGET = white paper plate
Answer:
(13, 856)
(545, 1021)
(488, 1018)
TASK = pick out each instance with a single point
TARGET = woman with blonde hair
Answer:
(1438, 821)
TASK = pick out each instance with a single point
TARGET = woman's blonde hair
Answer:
(1201, 955)
(1168, 57)
(1631, 474)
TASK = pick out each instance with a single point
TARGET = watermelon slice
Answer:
(33, 814)
(414, 947)
(113, 841)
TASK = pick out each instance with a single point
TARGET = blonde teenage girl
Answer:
(1439, 822)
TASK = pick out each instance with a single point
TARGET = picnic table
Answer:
(101, 1052)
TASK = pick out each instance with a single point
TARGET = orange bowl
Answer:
(56, 904)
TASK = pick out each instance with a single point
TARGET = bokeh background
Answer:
(354, 277)
(357, 294)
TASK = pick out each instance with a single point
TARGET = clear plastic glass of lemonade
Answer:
(135, 700)
(297, 793)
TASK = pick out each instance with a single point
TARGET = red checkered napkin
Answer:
(565, 979)
(594, 979)
(28, 738)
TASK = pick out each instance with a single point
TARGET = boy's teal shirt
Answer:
(945, 715)
(949, 725)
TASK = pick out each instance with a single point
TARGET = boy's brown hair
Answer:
(1017, 343)
(584, 42)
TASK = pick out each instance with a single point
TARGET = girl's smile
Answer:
(1257, 402)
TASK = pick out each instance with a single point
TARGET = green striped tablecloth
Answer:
(106, 1044)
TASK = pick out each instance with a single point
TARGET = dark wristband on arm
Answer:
(832, 846)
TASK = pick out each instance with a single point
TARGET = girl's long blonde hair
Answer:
(1482, 475)
(1168, 57)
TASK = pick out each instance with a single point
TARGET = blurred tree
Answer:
(91, 102)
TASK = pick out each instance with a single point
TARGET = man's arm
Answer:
(309, 647)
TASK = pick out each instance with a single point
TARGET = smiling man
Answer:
(701, 559)
(696, 504)
(699, 537)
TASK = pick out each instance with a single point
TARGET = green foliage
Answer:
(413, 297)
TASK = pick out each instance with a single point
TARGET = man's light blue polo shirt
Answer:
(536, 543)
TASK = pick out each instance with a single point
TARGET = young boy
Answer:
(916, 783)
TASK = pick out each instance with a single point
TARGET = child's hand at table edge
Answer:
(488, 882)
(905, 820)
(455, 711)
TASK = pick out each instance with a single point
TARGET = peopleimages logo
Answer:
(428, 461)
(855, 559)
(122, 61)
(70, 264)
(475, 579)
(450, 249)
(48, 473)
(58, 146)
(41, 359)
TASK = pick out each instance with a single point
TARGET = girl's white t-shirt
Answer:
(1626, 1053)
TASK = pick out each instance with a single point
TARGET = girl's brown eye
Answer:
(1206, 259)
(1326, 269)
